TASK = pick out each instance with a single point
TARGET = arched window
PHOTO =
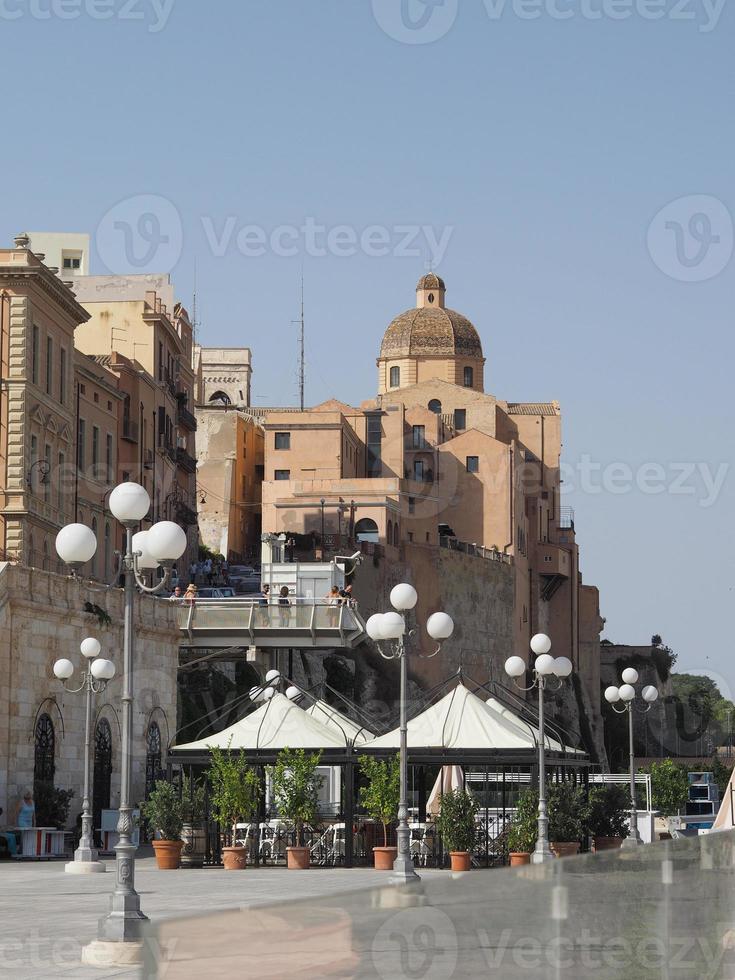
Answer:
(152, 757)
(396, 534)
(31, 549)
(468, 377)
(45, 555)
(106, 572)
(435, 406)
(221, 398)
(367, 530)
(102, 770)
(389, 535)
(395, 377)
(94, 557)
(44, 765)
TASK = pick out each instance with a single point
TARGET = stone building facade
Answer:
(435, 465)
(43, 618)
(38, 318)
(230, 477)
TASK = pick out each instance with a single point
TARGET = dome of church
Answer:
(430, 328)
(430, 281)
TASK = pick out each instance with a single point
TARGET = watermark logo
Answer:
(140, 234)
(154, 13)
(420, 942)
(691, 238)
(415, 21)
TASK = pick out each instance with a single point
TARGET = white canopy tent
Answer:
(463, 721)
(725, 819)
(275, 725)
(329, 716)
(552, 744)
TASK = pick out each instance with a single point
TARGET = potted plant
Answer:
(456, 824)
(193, 833)
(523, 830)
(296, 793)
(608, 809)
(380, 798)
(162, 810)
(52, 804)
(234, 798)
(566, 810)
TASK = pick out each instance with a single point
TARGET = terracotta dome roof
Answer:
(430, 330)
(430, 281)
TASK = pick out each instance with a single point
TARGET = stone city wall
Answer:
(42, 618)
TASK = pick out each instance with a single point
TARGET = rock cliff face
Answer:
(654, 733)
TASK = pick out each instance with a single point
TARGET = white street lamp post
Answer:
(545, 668)
(161, 545)
(391, 627)
(622, 700)
(94, 680)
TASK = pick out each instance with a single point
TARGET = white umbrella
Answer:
(449, 779)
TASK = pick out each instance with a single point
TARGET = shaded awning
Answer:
(275, 725)
(329, 716)
(463, 721)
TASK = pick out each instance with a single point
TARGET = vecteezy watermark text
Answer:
(318, 240)
(425, 21)
(145, 233)
(154, 13)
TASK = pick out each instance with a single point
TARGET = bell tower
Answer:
(430, 291)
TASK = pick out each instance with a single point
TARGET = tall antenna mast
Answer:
(194, 305)
(302, 373)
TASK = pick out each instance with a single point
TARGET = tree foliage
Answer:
(669, 787)
(381, 795)
(296, 787)
(235, 788)
(456, 821)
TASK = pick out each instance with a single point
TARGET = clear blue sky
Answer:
(546, 146)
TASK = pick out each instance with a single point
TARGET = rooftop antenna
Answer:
(302, 372)
(194, 305)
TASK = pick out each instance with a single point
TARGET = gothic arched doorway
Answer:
(102, 772)
(152, 757)
(44, 764)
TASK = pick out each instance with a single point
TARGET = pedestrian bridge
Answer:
(305, 623)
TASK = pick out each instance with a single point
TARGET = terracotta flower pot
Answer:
(297, 858)
(384, 858)
(519, 857)
(168, 854)
(459, 860)
(562, 849)
(607, 843)
(235, 858)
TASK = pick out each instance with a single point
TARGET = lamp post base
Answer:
(541, 855)
(81, 867)
(403, 876)
(632, 841)
(105, 954)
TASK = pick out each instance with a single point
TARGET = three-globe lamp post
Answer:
(159, 546)
(545, 668)
(621, 700)
(94, 680)
(390, 628)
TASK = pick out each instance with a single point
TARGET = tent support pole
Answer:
(349, 809)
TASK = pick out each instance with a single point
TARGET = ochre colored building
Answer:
(435, 465)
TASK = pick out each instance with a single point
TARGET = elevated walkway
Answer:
(303, 624)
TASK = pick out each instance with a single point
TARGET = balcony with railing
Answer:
(304, 622)
(184, 460)
(130, 430)
(185, 417)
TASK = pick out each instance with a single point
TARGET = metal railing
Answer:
(566, 517)
(130, 430)
(489, 554)
(252, 616)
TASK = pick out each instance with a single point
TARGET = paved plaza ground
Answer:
(46, 915)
